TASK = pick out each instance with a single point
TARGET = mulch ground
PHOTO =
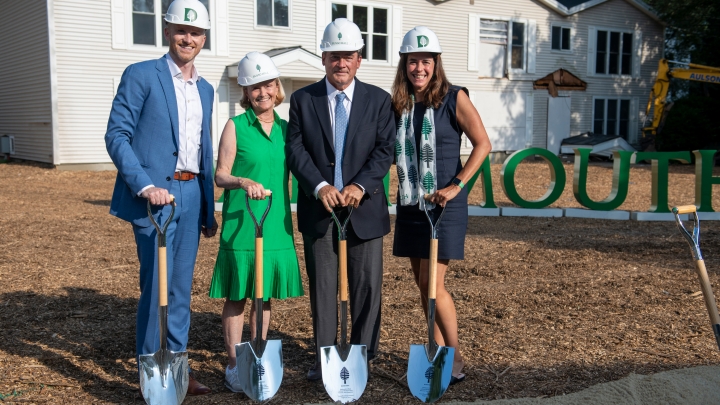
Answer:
(546, 306)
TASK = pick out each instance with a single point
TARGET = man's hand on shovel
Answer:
(157, 196)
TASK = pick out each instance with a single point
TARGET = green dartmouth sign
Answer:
(704, 179)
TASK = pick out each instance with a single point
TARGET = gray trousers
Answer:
(365, 268)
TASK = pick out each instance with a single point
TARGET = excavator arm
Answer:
(659, 92)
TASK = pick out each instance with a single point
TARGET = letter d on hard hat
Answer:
(256, 67)
(341, 35)
(420, 39)
(188, 12)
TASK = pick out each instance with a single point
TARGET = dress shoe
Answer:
(315, 372)
(196, 388)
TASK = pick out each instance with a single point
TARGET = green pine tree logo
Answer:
(423, 41)
(426, 127)
(409, 149)
(257, 67)
(428, 181)
(398, 149)
(339, 35)
(190, 15)
(401, 174)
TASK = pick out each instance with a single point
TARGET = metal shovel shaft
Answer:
(164, 374)
(693, 239)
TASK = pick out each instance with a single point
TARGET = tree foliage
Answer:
(692, 35)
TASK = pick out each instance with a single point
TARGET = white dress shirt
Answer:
(332, 92)
(190, 116)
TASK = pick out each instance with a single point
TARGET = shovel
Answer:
(263, 372)
(430, 366)
(344, 366)
(163, 374)
(694, 242)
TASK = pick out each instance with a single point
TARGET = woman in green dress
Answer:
(251, 159)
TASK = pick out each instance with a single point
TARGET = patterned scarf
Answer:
(416, 169)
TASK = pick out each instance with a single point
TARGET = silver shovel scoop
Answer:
(430, 366)
(260, 363)
(164, 374)
(344, 366)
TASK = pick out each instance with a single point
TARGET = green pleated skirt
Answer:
(234, 275)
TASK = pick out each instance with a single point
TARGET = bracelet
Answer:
(458, 182)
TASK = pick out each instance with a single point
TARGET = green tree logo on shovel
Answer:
(260, 371)
(344, 375)
(429, 373)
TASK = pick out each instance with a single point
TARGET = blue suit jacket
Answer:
(368, 154)
(142, 139)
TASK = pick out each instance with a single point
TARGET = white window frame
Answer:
(570, 41)
(529, 44)
(635, 56)
(368, 46)
(159, 30)
(632, 114)
(273, 27)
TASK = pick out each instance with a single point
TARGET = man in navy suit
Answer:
(339, 146)
(158, 136)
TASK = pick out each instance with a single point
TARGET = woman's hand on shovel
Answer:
(157, 196)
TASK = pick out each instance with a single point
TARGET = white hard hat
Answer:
(341, 35)
(256, 67)
(420, 39)
(188, 12)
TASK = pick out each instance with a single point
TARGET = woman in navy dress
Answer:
(432, 116)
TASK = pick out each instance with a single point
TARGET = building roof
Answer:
(570, 7)
(309, 65)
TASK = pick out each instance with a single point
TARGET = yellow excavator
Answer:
(658, 95)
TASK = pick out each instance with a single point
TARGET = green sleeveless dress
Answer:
(260, 158)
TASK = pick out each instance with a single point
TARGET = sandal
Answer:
(460, 378)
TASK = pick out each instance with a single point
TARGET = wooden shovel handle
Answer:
(258, 268)
(342, 259)
(162, 276)
(707, 292)
(432, 277)
(685, 209)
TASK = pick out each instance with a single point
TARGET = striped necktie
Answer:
(341, 123)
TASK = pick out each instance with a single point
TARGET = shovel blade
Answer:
(260, 377)
(429, 378)
(164, 377)
(344, 380)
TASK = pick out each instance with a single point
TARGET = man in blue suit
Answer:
(158, 136)
(339, 146)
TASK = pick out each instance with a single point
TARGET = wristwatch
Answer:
(457, 182)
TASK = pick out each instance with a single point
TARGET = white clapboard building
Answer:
(64, 59)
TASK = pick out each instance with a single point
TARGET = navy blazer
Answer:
(142, 139)
(367, 156)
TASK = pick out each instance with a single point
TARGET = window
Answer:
(560, 38)
(611, 117)
(613, 52)
(373, 23)
(517, 56)
(148, 22)
(502, 43)
(273, 13)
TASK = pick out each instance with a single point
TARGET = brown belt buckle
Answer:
(184, 176)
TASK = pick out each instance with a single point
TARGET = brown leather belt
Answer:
(184, 176)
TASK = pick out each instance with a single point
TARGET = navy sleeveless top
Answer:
(412, 230)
